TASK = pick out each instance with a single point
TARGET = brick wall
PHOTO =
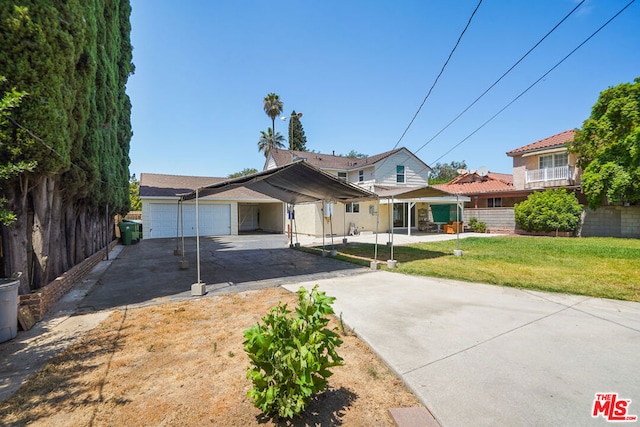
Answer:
(40, 301)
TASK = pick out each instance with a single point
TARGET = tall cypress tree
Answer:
(298, 140)
(73, 59)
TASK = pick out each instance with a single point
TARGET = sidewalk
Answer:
(31, 350)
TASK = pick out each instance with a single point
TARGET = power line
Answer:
(439, 74)
(537, 81)
(501, 77)
(53, 150)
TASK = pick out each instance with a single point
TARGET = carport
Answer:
(293, 183)
(411, 195)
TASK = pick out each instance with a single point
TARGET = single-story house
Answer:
(227, 213)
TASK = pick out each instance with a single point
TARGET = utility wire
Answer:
(501, 77)
(439, 74)
(40, 140)
(537, 81)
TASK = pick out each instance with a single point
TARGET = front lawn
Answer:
(599, 267)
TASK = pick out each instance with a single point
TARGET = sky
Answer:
(359, 70)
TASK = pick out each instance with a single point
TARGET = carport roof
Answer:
(419, 194)
(296, 182)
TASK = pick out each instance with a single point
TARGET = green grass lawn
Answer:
(599, 267)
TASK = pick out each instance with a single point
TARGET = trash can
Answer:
(8, 309)
(126, 232)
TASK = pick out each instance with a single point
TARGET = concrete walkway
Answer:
(481, 355)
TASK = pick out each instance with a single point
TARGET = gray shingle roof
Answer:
(329, 161)
(159, 185)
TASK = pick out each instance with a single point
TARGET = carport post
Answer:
(198, 288)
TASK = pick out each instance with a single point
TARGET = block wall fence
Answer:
(41, 300)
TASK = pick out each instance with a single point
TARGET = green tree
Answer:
(268, 141)
(9, 170)
(608, 146)
(134, 193)
(272, 108)
(442, 173)
(549, 210)
(243, 172)
(297, 138)
(353, 154)
(73, 58)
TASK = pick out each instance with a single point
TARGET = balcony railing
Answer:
(549, 174)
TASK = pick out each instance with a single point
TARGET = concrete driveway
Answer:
(480, 355)
(148, 272)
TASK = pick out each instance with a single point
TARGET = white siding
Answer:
(416, 174)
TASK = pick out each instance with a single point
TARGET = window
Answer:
(399, 173)
(553, 160)
(360, 176)
(494, 202)
(561, 159)
(342, 176)
(545, 162)
(353, 207)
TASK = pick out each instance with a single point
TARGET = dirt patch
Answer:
(184, 364)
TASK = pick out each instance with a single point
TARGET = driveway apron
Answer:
(492, 356)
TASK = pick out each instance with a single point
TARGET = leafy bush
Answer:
(477, 226)
(549, 210)
(290, 355)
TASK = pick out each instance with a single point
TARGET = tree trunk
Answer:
(42, 195)
(15, 242)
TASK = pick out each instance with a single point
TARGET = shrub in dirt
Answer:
(291, 353)
(549, 210)
(477, 226)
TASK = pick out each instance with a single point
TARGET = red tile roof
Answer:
(472, 183)
(329, 161)
(158, 185)
(557, 140)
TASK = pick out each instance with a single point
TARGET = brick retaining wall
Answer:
(41, 300)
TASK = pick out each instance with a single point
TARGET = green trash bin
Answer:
(8, 309)
(126, 229)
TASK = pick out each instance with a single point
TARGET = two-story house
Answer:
(537, 166)
(546, 164)
(398, 177)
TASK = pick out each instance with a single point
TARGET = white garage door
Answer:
(215, 220)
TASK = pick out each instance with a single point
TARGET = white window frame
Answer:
(400, 174)
(352, 207)
(361, 175)
(342, 176)
(553, 160)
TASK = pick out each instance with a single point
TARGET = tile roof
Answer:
(329, 161)
(472, 183)
(159, 185)
(557, 140)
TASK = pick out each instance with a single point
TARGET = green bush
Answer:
(290, 355)
(549, 210)
(477, 226)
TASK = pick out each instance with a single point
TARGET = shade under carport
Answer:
(293, 183)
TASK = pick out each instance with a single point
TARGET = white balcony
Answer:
(549, 174)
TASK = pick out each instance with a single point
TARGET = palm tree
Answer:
(268, 141)
(272, 108)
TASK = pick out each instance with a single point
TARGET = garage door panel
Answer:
(215, 220)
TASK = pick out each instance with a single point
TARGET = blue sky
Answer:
(358, 71)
